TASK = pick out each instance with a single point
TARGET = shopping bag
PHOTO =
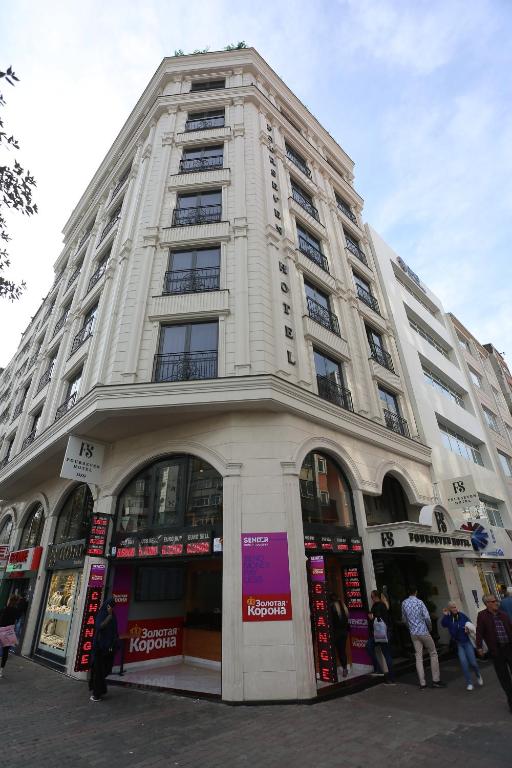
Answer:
(8, 636)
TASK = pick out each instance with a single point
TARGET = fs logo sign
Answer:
(83, 460)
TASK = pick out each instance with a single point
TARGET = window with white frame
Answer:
(475, 378)
(435, 381)
(456, 443)
(491, 419)
(506, 463)
(428, 337)
(493, 512)
(464, 343)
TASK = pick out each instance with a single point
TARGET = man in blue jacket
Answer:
(455, 622)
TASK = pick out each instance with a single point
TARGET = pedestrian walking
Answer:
(458, 625)
(7, 620)
(104, 646)
(341, 628)
(416, 616)
(495, 629)
(506, 603)
(379, 631)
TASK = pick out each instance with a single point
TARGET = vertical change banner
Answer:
(265, 577)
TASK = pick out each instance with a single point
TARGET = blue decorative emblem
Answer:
(479, 536)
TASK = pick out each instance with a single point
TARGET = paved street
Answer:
(48, 720)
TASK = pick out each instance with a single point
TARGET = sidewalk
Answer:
(48, 720)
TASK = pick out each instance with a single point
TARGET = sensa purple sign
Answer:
(265, 577)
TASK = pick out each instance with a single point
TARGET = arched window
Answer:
(391, 506)
(33, 530)
(6, 530)
(75, 516)
(177, 491)
(325, 493)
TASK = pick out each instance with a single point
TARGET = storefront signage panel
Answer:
(97, 575)
(316, 543)
(69, 554)
(415, 535)
(266, 592)
(24, 560)
(98, 536)
(197, 542)
(460, 492)
(83, 460)
(153, 639)
(489, 540)
(322, 621)
(86, 637)
(4, 556)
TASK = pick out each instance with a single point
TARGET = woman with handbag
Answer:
(104, 646)
(459, 627)
(7, 621)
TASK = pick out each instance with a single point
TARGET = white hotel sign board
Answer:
(460, 492)
(83, 460)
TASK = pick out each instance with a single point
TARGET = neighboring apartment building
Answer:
(462, 415)
(218, 324)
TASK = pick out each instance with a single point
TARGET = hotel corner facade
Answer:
(218, 329)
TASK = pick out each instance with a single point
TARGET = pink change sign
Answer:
(265, 577)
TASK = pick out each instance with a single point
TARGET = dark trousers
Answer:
(340, 642)
(386, 652)
(503, 666)
(5, 655)
(101, 668)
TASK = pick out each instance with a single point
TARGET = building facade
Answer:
(218, 325)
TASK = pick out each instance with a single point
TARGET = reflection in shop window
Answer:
(325, 493)
(175, 492)
(33, 530)
(75, 517)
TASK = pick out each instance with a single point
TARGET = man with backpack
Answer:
(379, 635)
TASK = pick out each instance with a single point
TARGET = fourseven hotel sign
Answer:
(83, 460)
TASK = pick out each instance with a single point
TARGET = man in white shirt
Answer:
(417, 618)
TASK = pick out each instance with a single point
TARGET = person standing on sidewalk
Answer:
(7, 618)
(494, 627)
(104, 646)
(455, 622)
(379, 630)
(419, 623)
(506, 603)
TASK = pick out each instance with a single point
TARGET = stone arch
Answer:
(8, 514)
(337, 452)
(28, 508)
(404, 478)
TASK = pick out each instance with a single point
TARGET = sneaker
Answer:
(469, 687)
(391, 682)
(480, 680)
(423, 687)
(93, 698)
(438, 684)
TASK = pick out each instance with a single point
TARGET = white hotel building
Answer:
(218, 324)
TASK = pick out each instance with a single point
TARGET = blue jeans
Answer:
(386, 652)
(468, 660)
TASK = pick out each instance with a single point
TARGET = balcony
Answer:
(120, 183)
(74, 276)
(381, 357)
(192, 280)
(305, 203)
(29, 439)
(96, 276)
(60, 323)
(314, 254)
(354, 249)
(4, 462)
(185, 366)
(110, 224)
(205, 123)
(45, 378)
(323, 316)
(65, 406)
(334, 393)
(345, 208)
(194, 164)
(203, 214)
(4, 415)
(84, 239)
(396, 423)
(17, 410)
(299, 162)
(368, 298)
(82, 335)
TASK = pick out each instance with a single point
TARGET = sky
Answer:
(417, 92)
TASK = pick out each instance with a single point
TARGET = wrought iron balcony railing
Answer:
(65, 406)
(82, 335)
(305, 203)
(192, 280)
(313, 253)
(74, 276)
(122, 181)
(185, 366)
(354, 248)
(368, 298)
(381, 357)
(84, 239)
(60, 323)
(323, 316)
(193, 164)
(4, 462)
(396, 423)
(29, 439)
(4, 415)
(301, 165)
(111, 223)
(17, 410)
(345, 208)
(32, 361)
(333, 392)
(45, 378)
(204, 123)
(203, 214)
(97, 275)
